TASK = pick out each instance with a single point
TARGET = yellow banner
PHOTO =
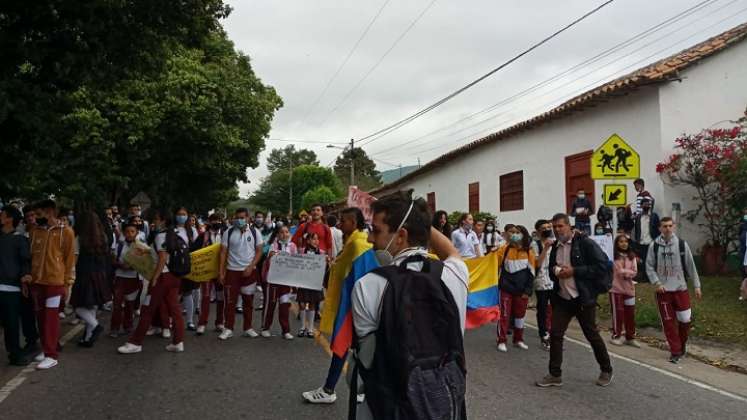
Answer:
(205, 263)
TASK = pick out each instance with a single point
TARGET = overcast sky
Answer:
(298, 45)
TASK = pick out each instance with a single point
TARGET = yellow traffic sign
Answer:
(615, 159)
(615, 195)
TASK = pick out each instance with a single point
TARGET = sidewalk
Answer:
(713, 364)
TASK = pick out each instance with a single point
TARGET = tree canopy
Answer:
(288, 156)
(366, 175)
(274, 191)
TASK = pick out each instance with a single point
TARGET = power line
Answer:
(376, 65)
(596, 58)
(306, 141)
(440, 102)
(344, 62)
(596, 83)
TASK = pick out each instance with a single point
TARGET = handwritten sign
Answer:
(298, 270)
(141, 258)
(205, 263)
(361, 200)
(606, 242)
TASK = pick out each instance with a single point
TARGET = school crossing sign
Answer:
(615, 159)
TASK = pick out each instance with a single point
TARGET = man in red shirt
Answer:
(316, 225)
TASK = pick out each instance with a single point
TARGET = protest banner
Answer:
(298, 270)
(361, 200)
(142, 259)
(205, 263)
(607, 243)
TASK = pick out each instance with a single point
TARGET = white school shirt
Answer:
(337, 242)
(242, 249)
(465, 242)
(121, 272)
(160, 243)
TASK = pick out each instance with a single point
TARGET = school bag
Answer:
(180, 262)
(418, 369)
(230, 232)
(681, 243)
(600, 284)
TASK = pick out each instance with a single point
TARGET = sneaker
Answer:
(545, 344)
(633, 343)
(521, 345)
(130, 348)
(239, 310)
(62, 315)
(153, 331)
(166, 333)
(137, 312)
(201, 330)
(310, 334)
(96, 333)
(502, 347)
(175, 348)
(605, 379)
(225, 334)
(250, 333)
(47, 363)
(319, 396)
(39, 357)
(259, 307)
(287, 336)
(302, 332)
(360, 398)
(191, 327)
(220, 328)
(618, 341)
(549, 381)
(675, 359)
(265, 334)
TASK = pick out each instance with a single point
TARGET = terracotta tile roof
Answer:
(659, 72)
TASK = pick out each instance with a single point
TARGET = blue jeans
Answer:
(335, 370)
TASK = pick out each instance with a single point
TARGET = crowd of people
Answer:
(55, 264)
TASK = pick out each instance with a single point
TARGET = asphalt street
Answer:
(263, 378)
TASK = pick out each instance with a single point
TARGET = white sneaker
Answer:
(360, 398)
(225, 334)
(502, 347)
(619, 341)
(137, 312)
(521, 345)
(166, 333)
(130, 348)
(250, 333)
(288, 336)
(200, 330)
(265, 334)
(175, 348)
(633, 343)
(62, 315)
(47, 363)
(319, 396)
(220, 328)
(153, 331)
(39, 357)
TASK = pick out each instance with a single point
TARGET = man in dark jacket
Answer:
(581, 210)
(15, 263)
(577, 268)
(646, 229)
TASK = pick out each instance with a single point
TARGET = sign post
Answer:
(615, 159)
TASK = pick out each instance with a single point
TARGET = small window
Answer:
(431, 198)
(512, 191)
(474, 197)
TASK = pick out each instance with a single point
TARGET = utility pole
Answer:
(290, 182)
(352, 162)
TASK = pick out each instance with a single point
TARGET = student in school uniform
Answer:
(308, 299)
(126, 285)
(278, 295)
(188, 232)
(211, 236)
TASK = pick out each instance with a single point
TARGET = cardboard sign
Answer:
(298, 270)
(607, 243)
(205, 263)
(361, 200)
(141, 258)
(615, 159)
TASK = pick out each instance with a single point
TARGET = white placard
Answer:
(299, 270)
(606, 242)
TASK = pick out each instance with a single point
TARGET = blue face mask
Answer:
(71, 219)
(744, 217)
(240, 223)
(516, 237)
(181, 219)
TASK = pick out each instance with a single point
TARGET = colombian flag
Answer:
(356, 260)
(482, 300)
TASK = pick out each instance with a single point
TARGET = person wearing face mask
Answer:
(517, 262)
(581, 210)
(212, 235)
(52, 264)
(188, 233)
(669, 265)
(127, 285)
(542, 281)
(645, 230)
(241, 250)
(465, 239)
(266, 227)
(402, 234)
(578, 267)
(622, 294)
(491, 238)
(278, 295)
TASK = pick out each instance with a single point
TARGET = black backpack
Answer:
(587, 247)
(418, 369)
(180, 262)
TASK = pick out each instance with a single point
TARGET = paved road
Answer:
(263, 378)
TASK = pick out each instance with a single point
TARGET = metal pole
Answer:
(352, 162)
(290, 182)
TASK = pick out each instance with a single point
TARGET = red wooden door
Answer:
(578, 176)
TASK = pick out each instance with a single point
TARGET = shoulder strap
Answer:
(120, 246)
(229, 232)
(254, 235)
(656, 256)
(682, 256)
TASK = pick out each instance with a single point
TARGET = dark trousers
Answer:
(562, 313)
(335, 371)
(10, 309)
(28, 320)
(544, 312)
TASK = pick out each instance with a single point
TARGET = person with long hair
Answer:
(517, 265)
(622, 294)
(185, 228)
(278, 295)
(91, 289)
(491, 238)
(465, 239)
(211, 236)
(309, 299)
(441, 223)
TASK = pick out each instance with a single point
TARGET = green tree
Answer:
(319, 195)
(274, 191)
(288, 156)
(366, 175)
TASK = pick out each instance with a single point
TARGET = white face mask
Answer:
(383, 256)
